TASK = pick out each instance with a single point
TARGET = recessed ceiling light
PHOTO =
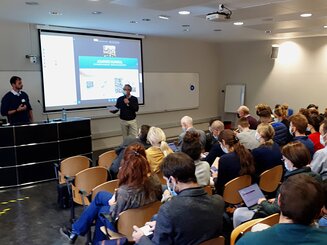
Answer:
(163, 17)
(96, 12)
(268, 31)
(305, 15)
(186, 29)
(325, 26)
(217, 30)
(238, 23)
(146, 19)
(32, 3)
(94, 0)
(275, 45)
(133, 22)
(55, 13)
(184, 12)
(185, 26)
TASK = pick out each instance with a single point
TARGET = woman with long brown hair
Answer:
(137, 186)
(236, 162)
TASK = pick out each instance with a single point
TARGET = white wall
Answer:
(160, 55)
(298, 77)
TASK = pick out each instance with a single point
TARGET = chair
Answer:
(270, 220)
(247, 226)
(136, 216)
(270, 179)
(105, 159)
(85, 181)
(241, 229)
(109, 186)
(70, 166)
(214, 241)
(208, 189)
(232, 187)
(161, 178)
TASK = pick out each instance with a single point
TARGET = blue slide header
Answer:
(107, 62)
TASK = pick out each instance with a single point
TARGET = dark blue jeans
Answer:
(93, 212)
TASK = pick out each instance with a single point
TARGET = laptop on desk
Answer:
(251, 195)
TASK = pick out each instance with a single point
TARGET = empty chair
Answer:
(85, 181)
(109, 186)
(270, 179)
(105, 159)
(214, 241)
(70, 166)
(232, 187)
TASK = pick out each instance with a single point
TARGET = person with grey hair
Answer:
(187, 125)
(244, 111)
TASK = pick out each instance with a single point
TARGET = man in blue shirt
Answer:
(300, 200)
(15, 104)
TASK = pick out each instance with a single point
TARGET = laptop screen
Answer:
(251, 195)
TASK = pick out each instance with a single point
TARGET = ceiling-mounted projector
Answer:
(222, 13)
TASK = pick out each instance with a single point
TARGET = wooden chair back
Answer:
(70, 166)
(136, 216)
(161, 178)
(241, 229)
(109, 186)
(86, 180)
(105, 159)
(232, 187)
(208, 189)
(215, 241)
(270, 179)
(270, 220)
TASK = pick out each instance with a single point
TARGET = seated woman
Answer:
(313, 125)
(319, 161)
(191, 146)
(296, 157)
(268, 154)
(137, 187)
(158, 150)
(236, 162)
(142, 138)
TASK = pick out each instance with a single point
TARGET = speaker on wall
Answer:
(274, 51)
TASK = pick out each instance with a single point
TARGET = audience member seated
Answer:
(300, 202)
(137, 187)
(158, 150)
(298, 126)
(236, 162)
(187, 125)
(313, 126)
(142, 138)
(296, 157)
(244, 112)
(280, 114)
(246, 135)
(322, 222)
(215, 151)
(281, 132)
(191, 216)
(212, 136)
(268, 154)
(319, 161)
(192, 147)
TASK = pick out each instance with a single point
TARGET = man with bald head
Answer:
(187, 125)
(243, 111)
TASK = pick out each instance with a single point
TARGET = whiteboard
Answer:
(162, 92)
(234, 97)
(170, 91)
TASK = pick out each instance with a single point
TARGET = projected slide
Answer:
(84, 71)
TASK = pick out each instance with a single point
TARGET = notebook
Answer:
(251, 195)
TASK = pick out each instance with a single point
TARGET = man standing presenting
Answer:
(15, 104)
(128, 106)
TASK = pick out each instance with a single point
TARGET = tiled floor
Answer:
(30, 216)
